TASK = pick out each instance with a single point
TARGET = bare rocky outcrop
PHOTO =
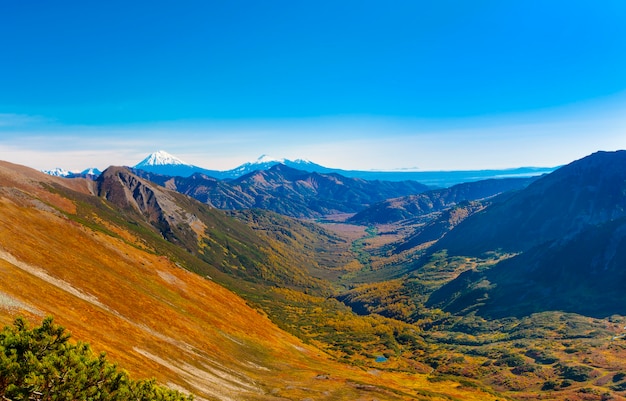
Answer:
(158, 205)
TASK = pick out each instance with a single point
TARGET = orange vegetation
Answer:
(158, 320)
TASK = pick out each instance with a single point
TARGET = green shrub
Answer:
(619, 377)
(41, 364)
(575, 372)
(510, 360)
(541, 356)
(549, 385)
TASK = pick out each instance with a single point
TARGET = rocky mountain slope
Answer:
(112, 287)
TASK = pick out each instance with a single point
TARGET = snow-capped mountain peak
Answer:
(91, 171)
(265, 162)
(161, 158)
(262, 163)
(58, 172)
(163, 163)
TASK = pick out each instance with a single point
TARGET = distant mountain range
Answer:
(304, 189)
(91, 173)
(287, 191)
(163, 163)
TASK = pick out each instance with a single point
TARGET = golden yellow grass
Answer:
(157, 320)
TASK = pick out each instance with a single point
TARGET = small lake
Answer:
(381, 359)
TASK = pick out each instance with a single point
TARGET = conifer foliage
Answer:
(41, 364)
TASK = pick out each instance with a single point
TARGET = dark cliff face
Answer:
(131, 193)
(126, 190)
(560, 205)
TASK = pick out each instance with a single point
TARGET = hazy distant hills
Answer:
(288, 191)
(570, 232)
(163, 163)
(412, 206)
(443, 179)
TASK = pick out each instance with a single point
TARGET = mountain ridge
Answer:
(288, 191)
(265, 162)
(566, 231)
(595, 186)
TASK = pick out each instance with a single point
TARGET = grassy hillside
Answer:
(107, 273)
(525, 295)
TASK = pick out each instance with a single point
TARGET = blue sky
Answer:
(433, 85)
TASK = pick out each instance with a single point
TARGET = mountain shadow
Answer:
(585, 275)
